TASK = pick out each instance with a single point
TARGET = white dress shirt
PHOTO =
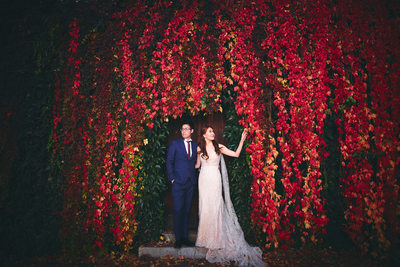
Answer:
(191, 147)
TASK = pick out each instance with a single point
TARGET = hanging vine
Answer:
(278, 63)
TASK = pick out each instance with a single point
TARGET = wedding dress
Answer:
(219, 229)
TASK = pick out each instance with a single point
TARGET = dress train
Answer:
(219, 229)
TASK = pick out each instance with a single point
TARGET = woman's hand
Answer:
(198, 163)
(244, 135)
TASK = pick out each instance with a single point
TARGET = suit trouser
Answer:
(182, 195)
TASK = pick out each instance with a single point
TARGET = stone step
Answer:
(169, 237)
(187, 252)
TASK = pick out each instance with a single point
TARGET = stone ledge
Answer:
(187, 252)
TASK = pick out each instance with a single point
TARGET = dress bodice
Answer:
(213, 159)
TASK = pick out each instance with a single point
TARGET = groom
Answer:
(181, 158)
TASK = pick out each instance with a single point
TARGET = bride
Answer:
(219, 230)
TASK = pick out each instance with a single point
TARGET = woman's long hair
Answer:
(203, 143)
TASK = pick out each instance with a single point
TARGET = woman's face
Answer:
(209, 135)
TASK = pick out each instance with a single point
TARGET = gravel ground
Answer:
(279, 257)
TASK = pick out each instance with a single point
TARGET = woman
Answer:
(219, 229)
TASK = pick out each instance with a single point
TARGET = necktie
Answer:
(188, 144)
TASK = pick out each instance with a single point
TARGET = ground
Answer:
(291, 257)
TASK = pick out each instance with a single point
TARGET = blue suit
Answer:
(181, 169)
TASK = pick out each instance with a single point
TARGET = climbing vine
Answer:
(277, 68)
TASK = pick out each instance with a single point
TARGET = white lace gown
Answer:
(219, 229)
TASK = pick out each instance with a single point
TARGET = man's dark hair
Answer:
(188, 122)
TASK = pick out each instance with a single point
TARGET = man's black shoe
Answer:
(187, 243)
(178, 244)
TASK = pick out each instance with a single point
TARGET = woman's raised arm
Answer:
(226, 151)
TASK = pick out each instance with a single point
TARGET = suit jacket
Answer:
(179, 166)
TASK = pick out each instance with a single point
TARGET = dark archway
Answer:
(216, 120)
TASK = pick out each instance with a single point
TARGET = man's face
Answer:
(186, 131)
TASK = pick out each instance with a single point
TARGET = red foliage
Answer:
(75, 143)
(366, 125)
(300, 96)
(310, 53)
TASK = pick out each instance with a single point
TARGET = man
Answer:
(181, 159)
